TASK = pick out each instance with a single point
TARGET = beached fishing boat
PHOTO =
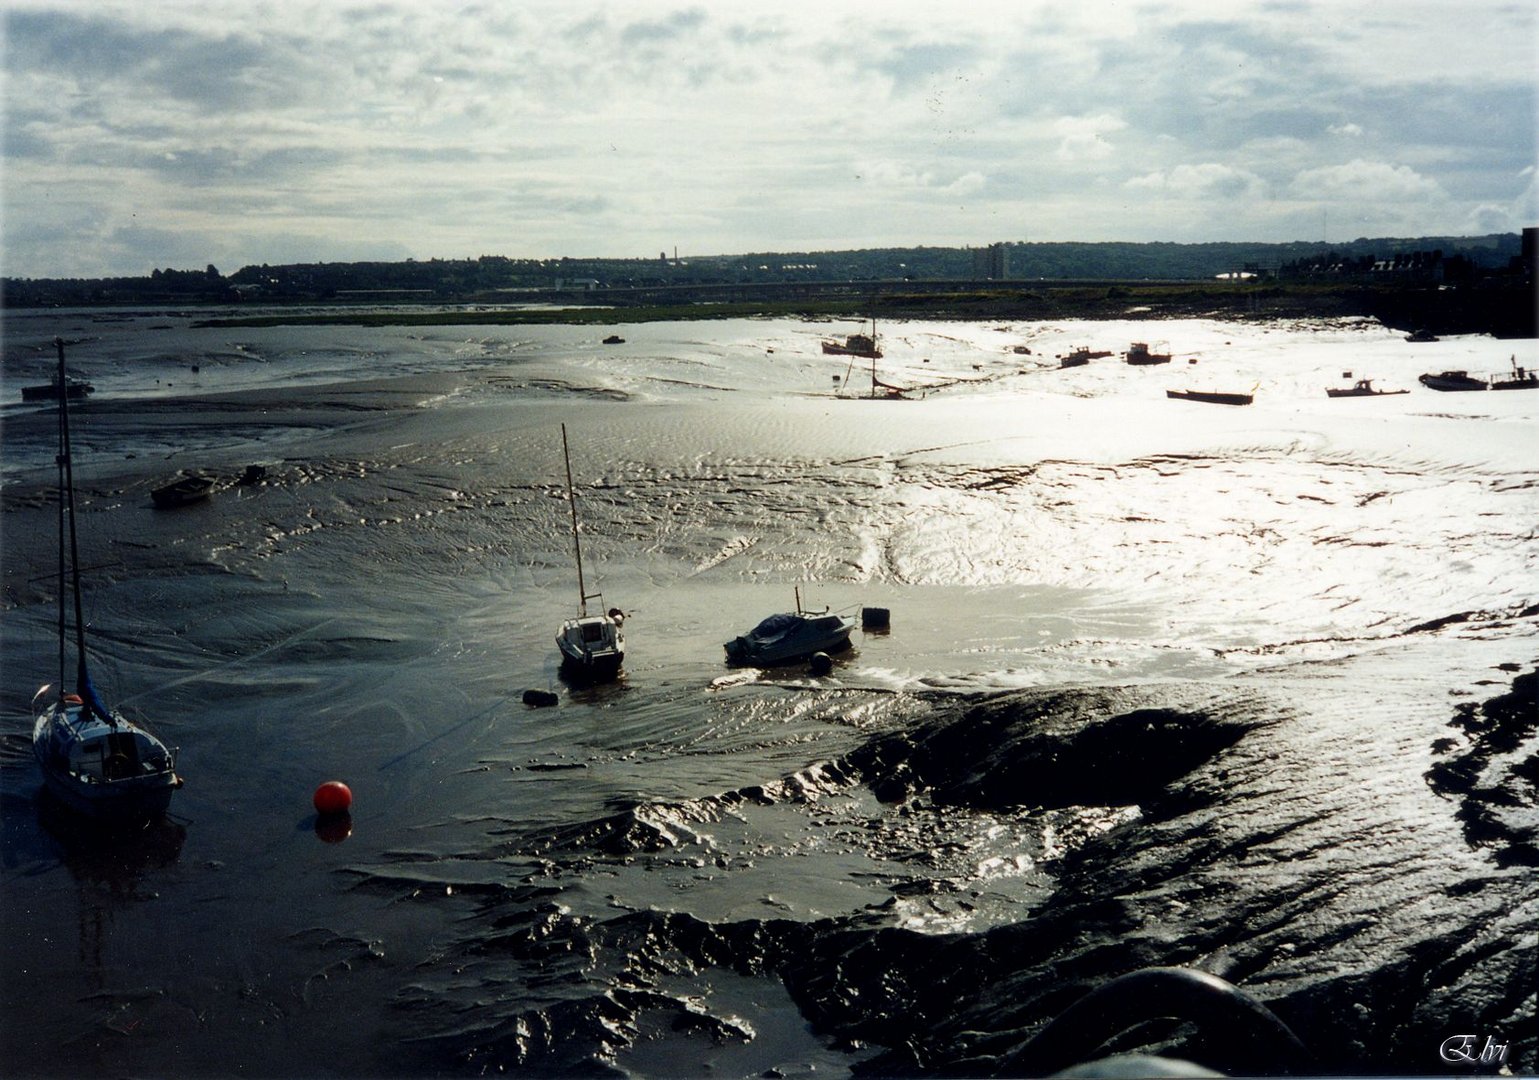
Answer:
(1082, 355)
(1138, 353)
(183, 491)
(1212, 397)
(93, 760)
(856, 345)
(789, 636)
(1519, 379)
(1361, 388)
(1451, 381)
(592, 646)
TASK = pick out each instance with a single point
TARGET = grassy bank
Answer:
(1506, 313)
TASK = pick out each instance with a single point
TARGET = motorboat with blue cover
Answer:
(791, 635)
(1451, 381)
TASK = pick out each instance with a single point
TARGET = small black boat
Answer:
(74, 389)
(1139, 353)
(1451, 381)
(1212, 397)
(183, 491)
(1361, 388)
(1081, 355)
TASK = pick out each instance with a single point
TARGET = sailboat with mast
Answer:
(592, 646)
(93, 759)
(856, 345)
(864, 346)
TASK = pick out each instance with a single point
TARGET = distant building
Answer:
(991, 263)
(1410, 266)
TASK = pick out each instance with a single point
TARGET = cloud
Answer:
(896, 176)
(1083, 138)
(625, 125)
(1365, 181)
(672, 27)
(967, 184)
(1206, 181)
(206, 72)
(916, 66)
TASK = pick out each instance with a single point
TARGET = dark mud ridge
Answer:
(1495, 777)
(1225, 869)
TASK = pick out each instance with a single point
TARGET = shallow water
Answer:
(696, 869)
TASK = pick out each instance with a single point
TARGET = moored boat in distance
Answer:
(94, 761)
(1082, 355)
(856, 345)
(1518, 379)
(1139, 353)
(183, 491)
(1212, 397)
(1361, 388)
(790, 636)
(1451, 381)
(592, 646)
(74, 389)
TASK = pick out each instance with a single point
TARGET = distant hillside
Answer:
(492, 277)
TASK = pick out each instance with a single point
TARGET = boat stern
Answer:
(592, 644)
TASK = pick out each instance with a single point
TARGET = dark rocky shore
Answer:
(1233, 864)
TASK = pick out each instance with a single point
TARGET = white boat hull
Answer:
(592, 647)
(110, 771)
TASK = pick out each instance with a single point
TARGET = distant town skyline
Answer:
(177, 135)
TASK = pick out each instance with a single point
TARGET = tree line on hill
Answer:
(496, 277)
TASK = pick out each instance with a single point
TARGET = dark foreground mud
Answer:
(1221, 868)
(1494, 776)
(1247, 692)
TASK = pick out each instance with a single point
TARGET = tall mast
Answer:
(571, 498)
(874, 351)
(59, 459)
(67, 477)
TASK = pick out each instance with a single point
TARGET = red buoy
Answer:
(333, 797)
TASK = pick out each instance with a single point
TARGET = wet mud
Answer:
(1249, 692)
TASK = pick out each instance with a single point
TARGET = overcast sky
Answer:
(148, 133)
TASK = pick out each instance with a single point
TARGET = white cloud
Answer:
(1365, 181)
(1084, 138)
(1206, 181)
(620, 127)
